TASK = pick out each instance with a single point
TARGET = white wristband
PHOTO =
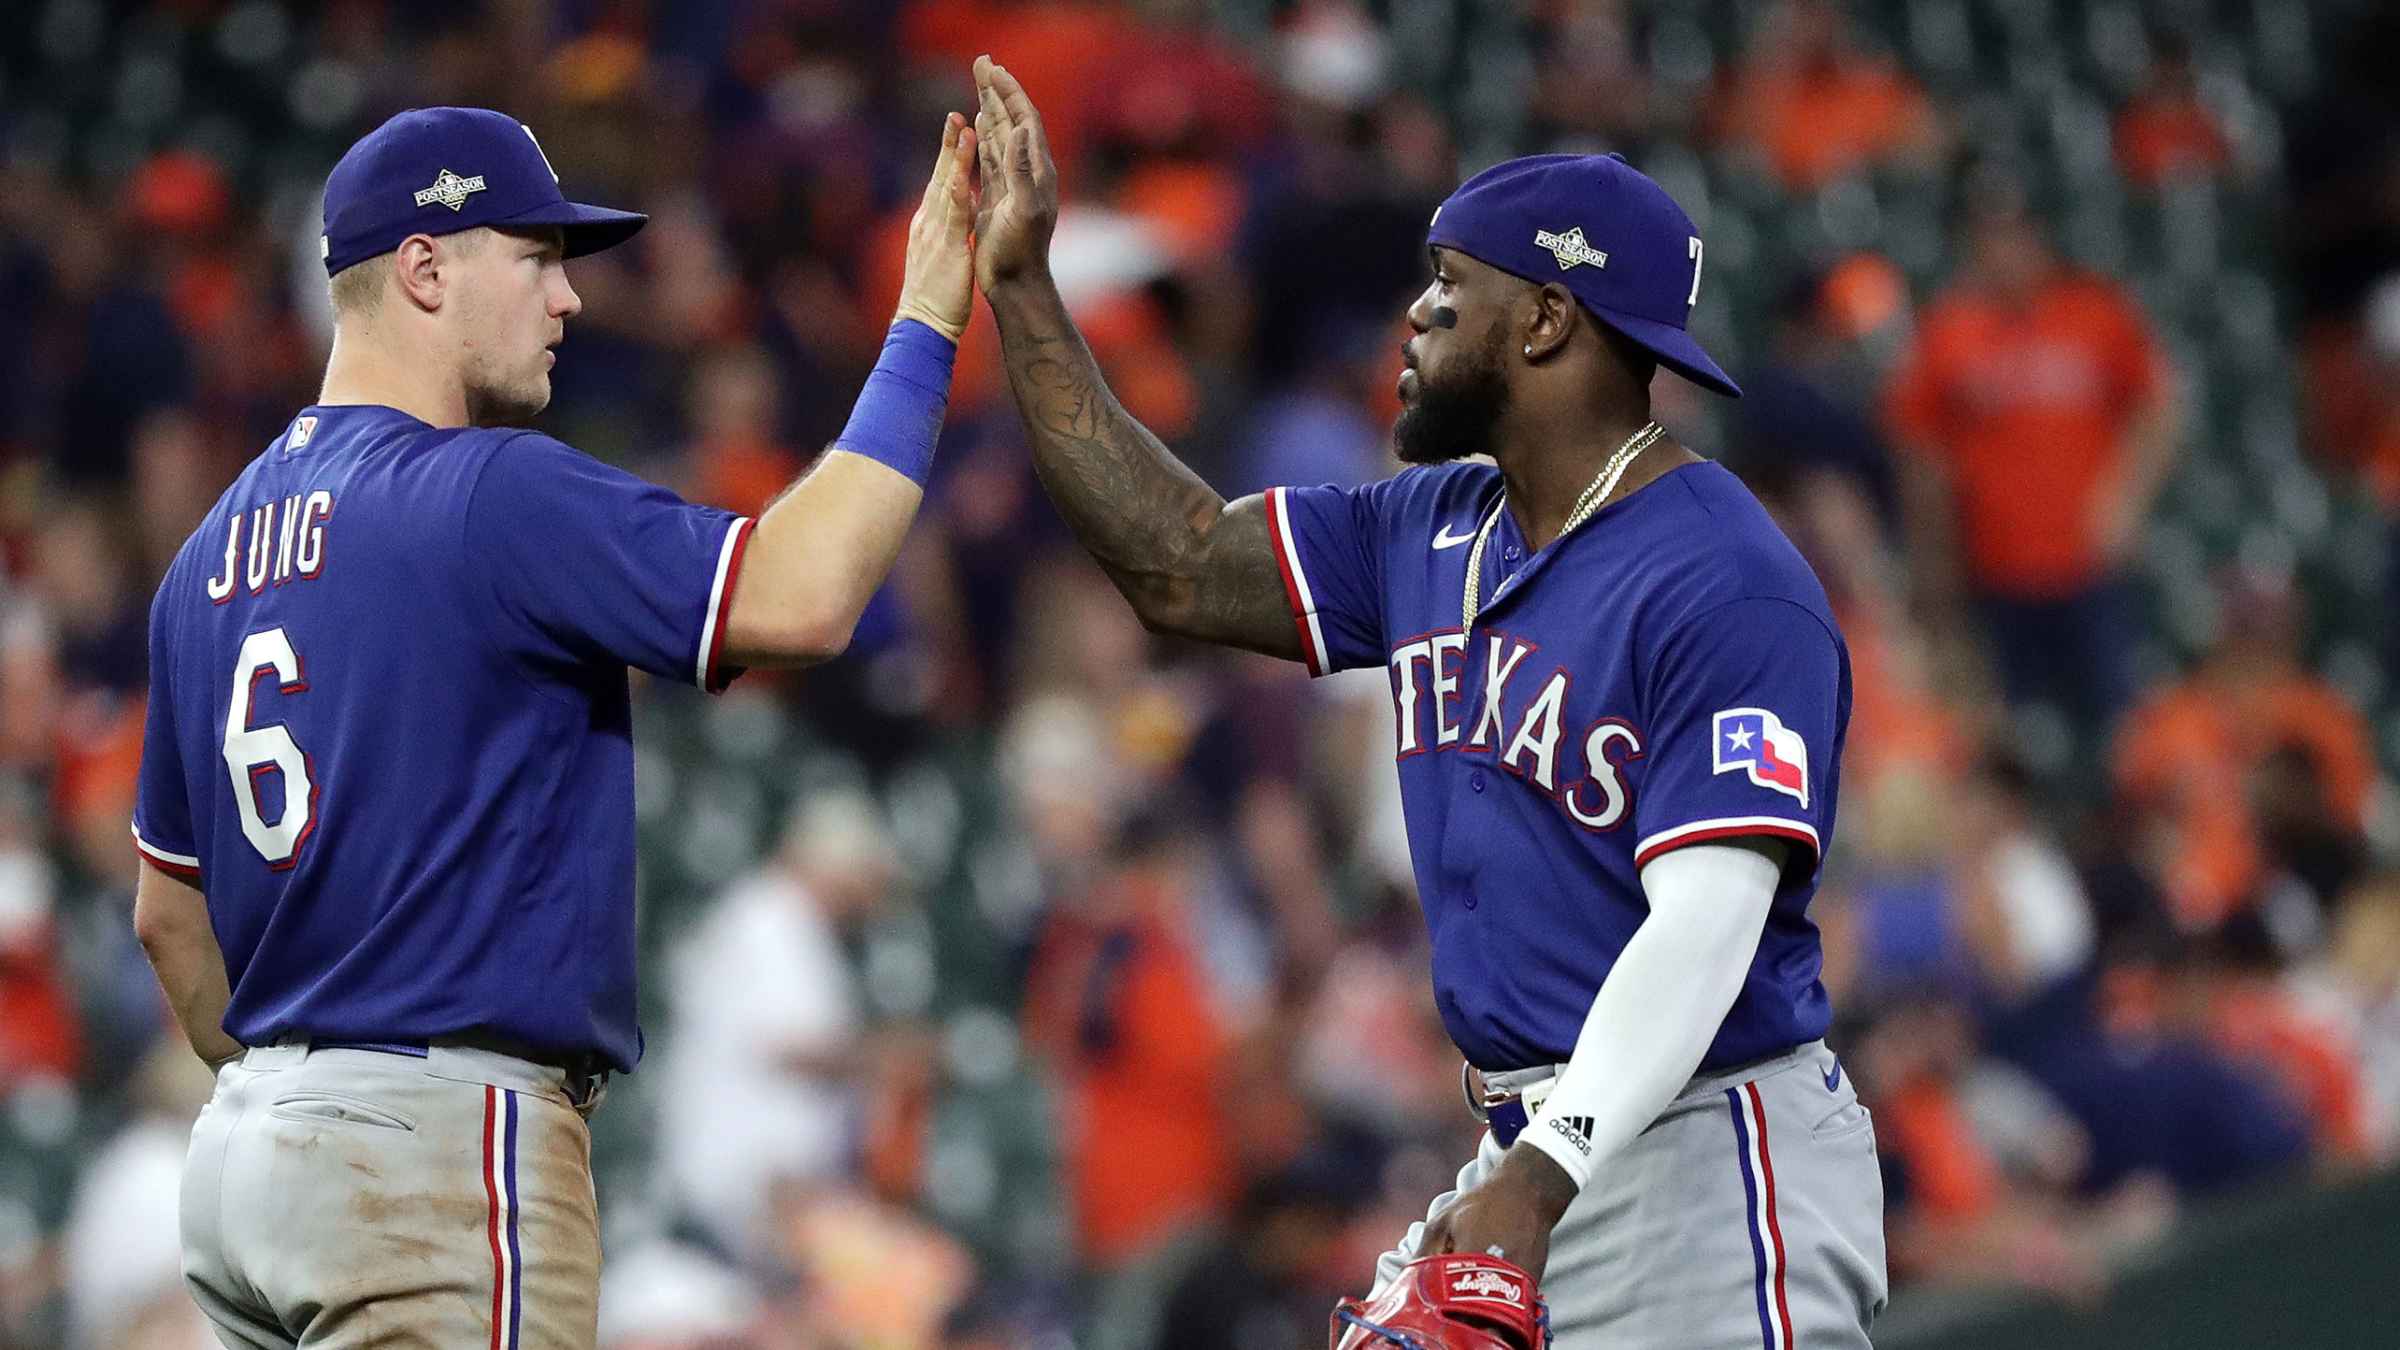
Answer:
(1566, 1145)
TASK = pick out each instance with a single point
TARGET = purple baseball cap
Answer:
(442, 170)
(1601, 228)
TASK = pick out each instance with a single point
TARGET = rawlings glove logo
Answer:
(1490, 1284)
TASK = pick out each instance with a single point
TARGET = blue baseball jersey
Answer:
(390, 730)
(1668, 673)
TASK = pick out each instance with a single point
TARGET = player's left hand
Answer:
(938, 287)
(1509, 1216)
(1020, 181)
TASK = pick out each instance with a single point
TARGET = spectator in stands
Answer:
(1269, 1279)
(2355, 986)
(1592, 92)
(667, 1296)
(873, 1274)
(1816, 105)
(767, 1051)
(101, 619)
(1958, 1211)
(2025, 914)
(1325, 427)
(2165, 131)
(40, 1037)
(1118, 1005)
(737, 460)
(2350, 382)
(2038, 417)
(2240, 993)
(2157, 1096)
(2251, 767)
(1815, 455)
(123, 1251)
(126, 357)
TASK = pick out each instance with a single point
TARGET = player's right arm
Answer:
(1189, 562)
(170, 916)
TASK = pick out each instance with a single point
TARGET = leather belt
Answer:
(1505, 1101)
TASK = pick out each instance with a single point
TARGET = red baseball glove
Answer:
(1457, 1301)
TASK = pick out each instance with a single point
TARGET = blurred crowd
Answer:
(1021, 980)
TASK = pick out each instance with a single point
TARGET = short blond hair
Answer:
(357, 290)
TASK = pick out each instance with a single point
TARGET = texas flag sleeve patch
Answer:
(1753, 741)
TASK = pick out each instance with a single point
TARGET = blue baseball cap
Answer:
(1601, 228)
(442, 170)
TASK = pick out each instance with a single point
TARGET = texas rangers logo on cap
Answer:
(450, 190)
(1775, 756)
(1569, 248)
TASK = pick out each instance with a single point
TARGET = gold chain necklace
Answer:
(1594, 496)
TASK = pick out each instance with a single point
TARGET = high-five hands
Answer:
(937, 288)
(1020, 181)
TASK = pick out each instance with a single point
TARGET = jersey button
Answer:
(1471, 901)
(1475, 780)
(1512, 553)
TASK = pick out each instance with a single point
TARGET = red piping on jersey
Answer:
(174, 869)
(1280, 528)
(1664, 846)
(733, 578)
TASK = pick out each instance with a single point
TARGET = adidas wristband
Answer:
(898, 415)
(1567, 1146)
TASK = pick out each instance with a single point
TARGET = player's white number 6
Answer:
(1693, 253)
(252, 751)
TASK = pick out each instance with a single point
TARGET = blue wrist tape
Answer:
(899, 412)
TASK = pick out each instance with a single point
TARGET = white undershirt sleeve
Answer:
(1661, 1005)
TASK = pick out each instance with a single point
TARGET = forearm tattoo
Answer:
(1186, 562)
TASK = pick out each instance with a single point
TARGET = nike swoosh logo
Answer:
(1833, 1077)
(1442, 538)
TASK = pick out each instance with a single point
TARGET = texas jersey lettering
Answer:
(1667, 674)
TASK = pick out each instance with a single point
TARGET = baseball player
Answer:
(1620, 700)
(386, 792)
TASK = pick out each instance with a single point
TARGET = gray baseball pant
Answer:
(342, 1198)
(1749, 1215)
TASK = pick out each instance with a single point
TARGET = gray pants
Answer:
(342, 1198)
(1749, 1215)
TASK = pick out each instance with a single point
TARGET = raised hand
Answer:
(1020, 181)
(938, 287)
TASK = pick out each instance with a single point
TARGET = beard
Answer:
(1456, 418)
(502, 403)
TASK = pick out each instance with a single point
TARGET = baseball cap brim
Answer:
(1674, 349)
(588, 229)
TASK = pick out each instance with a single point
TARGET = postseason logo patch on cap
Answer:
(450, 190)
(1569, 248)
